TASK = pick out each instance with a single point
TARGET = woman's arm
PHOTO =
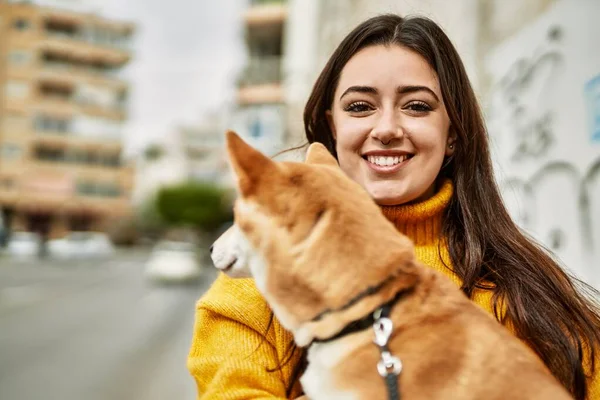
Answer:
(231, 357)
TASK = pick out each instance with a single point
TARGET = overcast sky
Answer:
(186, 56)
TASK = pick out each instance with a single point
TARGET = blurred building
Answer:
(161, 164)
(260, 116)
(536, 70)
(62, 106)
(204, 149)
(194, 152)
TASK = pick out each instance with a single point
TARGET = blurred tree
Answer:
(122, 231)
(153, 152)
(148, 219)
(203, 206)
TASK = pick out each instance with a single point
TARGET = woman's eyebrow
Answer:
(359, 89)
(399, 90)
(415, 88)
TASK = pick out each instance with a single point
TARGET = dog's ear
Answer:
(317, 153)
(248, 164)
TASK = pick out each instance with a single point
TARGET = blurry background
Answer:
(113, 178)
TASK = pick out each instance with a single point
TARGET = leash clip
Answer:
(389, 365)
(383, 330)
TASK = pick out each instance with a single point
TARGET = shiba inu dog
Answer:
(339, 276)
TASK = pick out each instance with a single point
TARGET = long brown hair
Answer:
(531, 292)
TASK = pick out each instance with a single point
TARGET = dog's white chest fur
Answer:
(317, 380)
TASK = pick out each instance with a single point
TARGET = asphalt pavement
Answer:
(94, 330)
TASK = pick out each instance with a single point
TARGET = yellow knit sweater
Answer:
(232, 351)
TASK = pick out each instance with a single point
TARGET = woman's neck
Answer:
(422, 221)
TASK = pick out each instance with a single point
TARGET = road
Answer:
(94, 330)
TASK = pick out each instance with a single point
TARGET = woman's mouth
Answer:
(387, 164)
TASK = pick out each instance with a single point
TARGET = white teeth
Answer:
(386, 161)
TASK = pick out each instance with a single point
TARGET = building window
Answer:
(16, 89)
(62, 29)
(110, 160)
(10, 151)
(44, 123)
(108, 190)
(256, 129)
(21, 24)
(49, 154)
(87, 188)
(20, 57)
(97, 127)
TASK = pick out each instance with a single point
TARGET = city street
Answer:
(94, 330)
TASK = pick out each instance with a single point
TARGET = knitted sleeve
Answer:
(235, 353)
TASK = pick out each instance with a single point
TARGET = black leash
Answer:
(389, 366)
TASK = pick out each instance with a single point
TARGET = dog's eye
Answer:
(319, 215)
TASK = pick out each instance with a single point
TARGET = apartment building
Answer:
(260, 115)
(62, 107)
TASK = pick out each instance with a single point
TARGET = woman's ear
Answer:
(450, 143)
(329, 117)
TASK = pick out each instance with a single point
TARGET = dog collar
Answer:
(369, 291)
(368, 321)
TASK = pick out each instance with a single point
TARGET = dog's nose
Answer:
(211, 248)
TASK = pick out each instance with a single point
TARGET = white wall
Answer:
(540, 113)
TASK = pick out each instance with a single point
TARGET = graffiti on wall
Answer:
(592, 95)
(581, 238)
(519, 107)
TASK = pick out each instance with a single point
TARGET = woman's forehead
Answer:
(386, 67)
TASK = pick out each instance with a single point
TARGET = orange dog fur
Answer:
(313, 240)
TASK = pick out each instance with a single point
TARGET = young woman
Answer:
(396, 108)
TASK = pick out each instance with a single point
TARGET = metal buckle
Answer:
(383, 330)
(389, 365)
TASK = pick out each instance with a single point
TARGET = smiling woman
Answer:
(395, 107)
(389, 122)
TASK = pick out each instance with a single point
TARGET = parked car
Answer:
(81, 244)
(23, 244)
(173, 262)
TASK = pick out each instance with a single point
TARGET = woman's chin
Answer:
(398, 193)
(391, 197)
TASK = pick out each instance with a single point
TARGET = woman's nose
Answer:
(387, 128)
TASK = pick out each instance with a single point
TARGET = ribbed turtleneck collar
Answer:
(421, 222)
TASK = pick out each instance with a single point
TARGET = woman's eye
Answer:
(357, 107)
(418, 106)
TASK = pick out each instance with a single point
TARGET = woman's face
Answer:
(390, 124)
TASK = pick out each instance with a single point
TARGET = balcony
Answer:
(88, 28)
(63, 150)
(260, 83)
(70, 46)
(266, 12)
(63, 140)
(69, 73)
(261, 71)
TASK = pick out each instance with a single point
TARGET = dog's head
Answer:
(227, 255)
(313, 238)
